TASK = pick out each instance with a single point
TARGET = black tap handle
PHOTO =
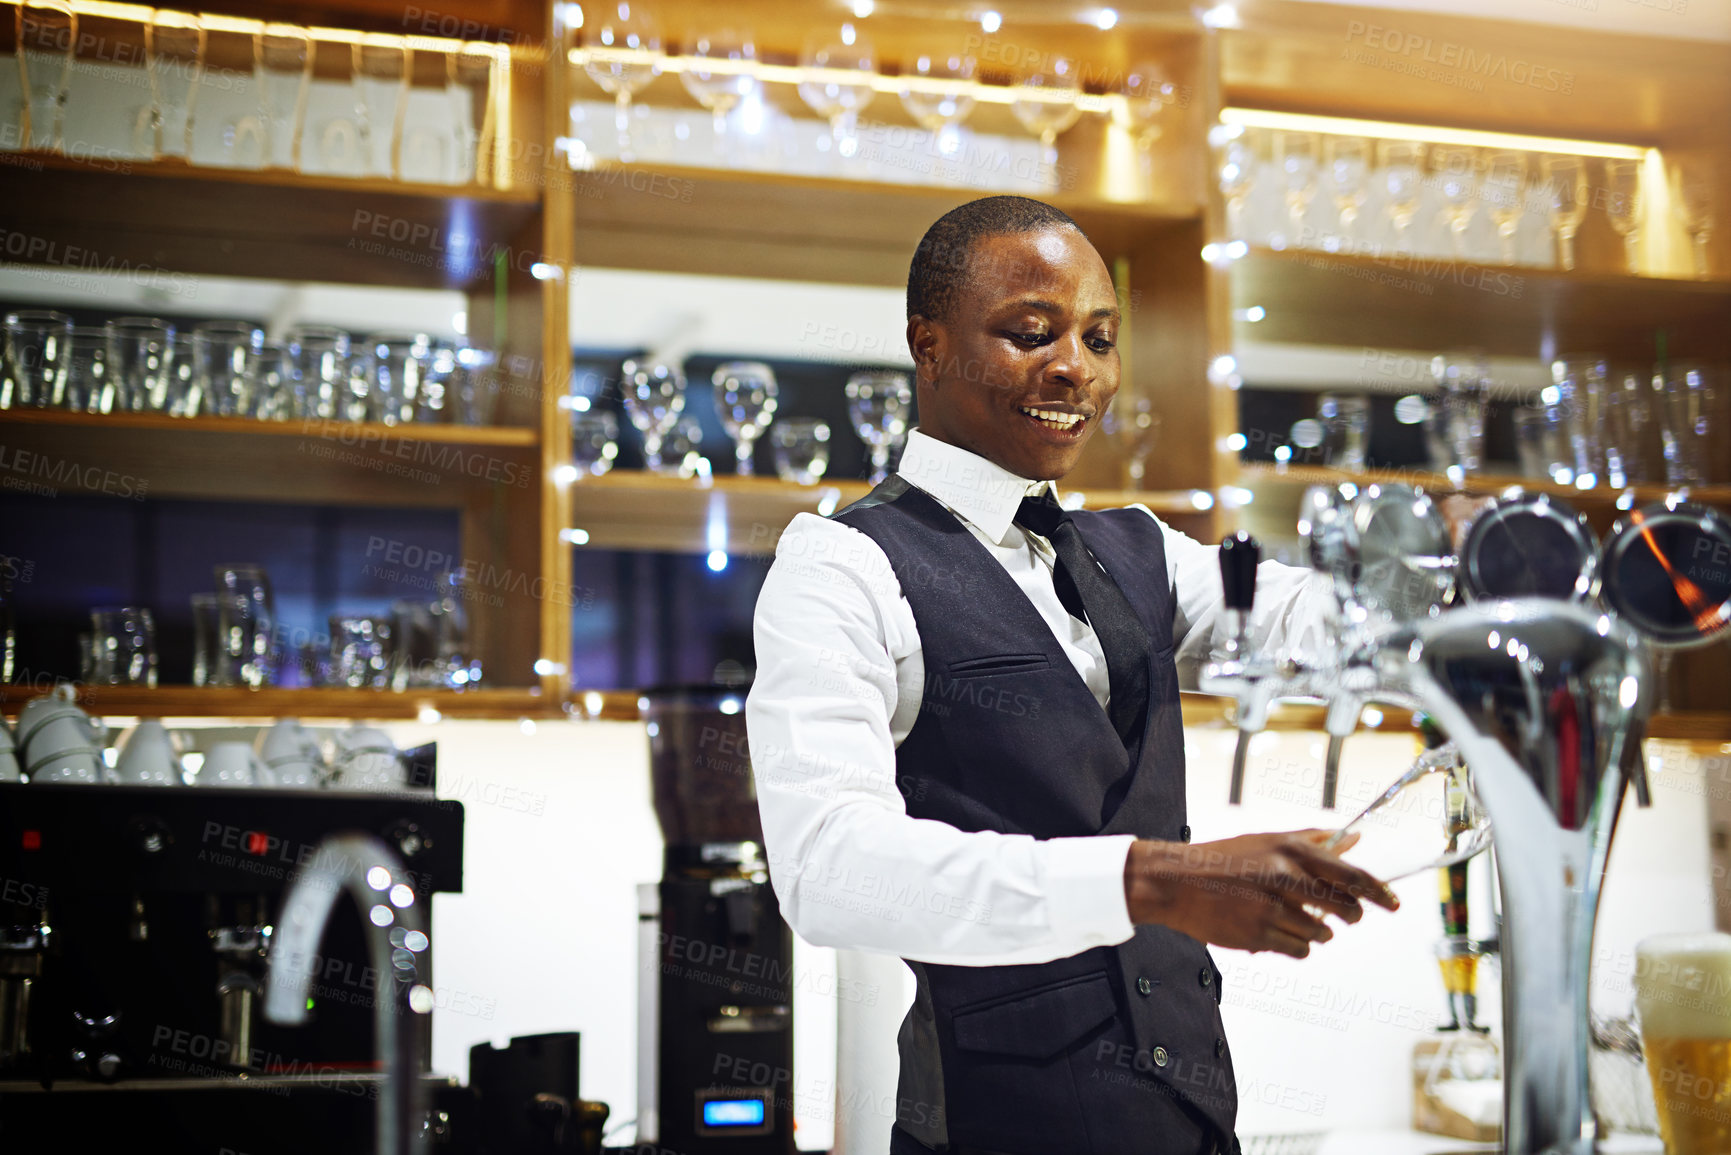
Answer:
(1239, 556)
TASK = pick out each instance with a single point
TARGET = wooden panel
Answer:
(225, 702)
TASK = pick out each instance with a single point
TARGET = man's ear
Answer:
(925, 342)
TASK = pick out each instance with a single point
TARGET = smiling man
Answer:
(968, 748)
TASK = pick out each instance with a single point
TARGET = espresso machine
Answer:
(715, 998)
(1530, 652)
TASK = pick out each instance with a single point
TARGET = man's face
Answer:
(1027, 363)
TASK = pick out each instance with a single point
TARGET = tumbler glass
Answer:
(185, 397)
(363, 649)
(474, 387)
(457, 666)
(89, 375)
(397, 367)
(1686, 421)
(320, 356)
(47, 33)
(123, 646)
(206, 662)
(381, 79)
(1539, 443)
(1464, 378)
(38, 354)
(879, 403)
(246, 624)
(594, 442)
(1345, 419)
(469, 88)
(283, 66)
(801, 447)
(139, 349)
(1580, 381)
(1628, 425)
(273, 383)
(176, 64)
(225, 359)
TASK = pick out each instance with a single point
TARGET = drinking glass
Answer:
(363, 651)
(1464, 379)
(283, 68)
(47, 37)
(397, 366)
(274, 385)
(745, 393)
(1685, 421)
(1681, 985)
(836, 99)
(1437, 785)
(1402, 163)
(1539, 441)
(941, 113)
(245, 627)
(206, 660)
(381, 78)
(720, 89)
(474, 387)
(1565, 180)
(801, 446)
(139, 349)
(1457, 180)
(654, 398)
(594, 441)
(624, 55)
(1345, 419)
(174, 48)
(1237, 177)
(1348, 172)
(1046, 105)
(225, 357)
(90, 386)
(469, 88)
(1623, 206)
(1695, 209)
(1147, 92)
(123, 646)
(1504, 191)
(685, 446)
(38, 351)
(185, 397)
(879, 403)
(1295, 154)
(319, 356)
(1580, 381)
(1134, 423)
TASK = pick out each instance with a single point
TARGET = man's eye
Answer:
(1102, 344)
(1029, 339)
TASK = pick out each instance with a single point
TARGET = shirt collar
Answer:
(986, 494)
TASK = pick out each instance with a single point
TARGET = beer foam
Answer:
(1683, 985)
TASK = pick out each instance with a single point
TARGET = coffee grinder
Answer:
(715, 999)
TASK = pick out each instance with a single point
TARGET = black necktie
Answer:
(1090, 594)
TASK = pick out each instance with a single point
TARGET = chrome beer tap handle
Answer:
(1235, 671)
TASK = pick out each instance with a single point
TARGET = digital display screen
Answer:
(733, 1113)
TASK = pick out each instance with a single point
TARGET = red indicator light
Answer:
(256, 843)
(32, 840)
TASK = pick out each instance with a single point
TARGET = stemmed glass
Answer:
(720, 91)
(1623, 184)
(1147, 92)
(745, 393)
(47, 37)
(283, 63)
(1695, 209)
(941, 113)
(1565, 180)
(840, 98)
(1237, 175)
(174, 46)
(1457, 178)
(623, 58)
(1505, 192)
(1295, 154)
(1402, 167)
(879, 403)
(38, 355)
(654, 394)
(1347, 161)
(1047, 105)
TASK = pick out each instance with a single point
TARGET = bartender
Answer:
(967, 742)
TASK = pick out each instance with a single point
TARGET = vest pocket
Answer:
(998, 664)
(1038, 1024)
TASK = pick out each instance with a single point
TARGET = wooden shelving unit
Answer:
(229, 702)
(1483, 485)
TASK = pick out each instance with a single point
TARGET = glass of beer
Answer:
(1683, 992)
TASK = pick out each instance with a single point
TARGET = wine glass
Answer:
(1695, 209)
(1623, 185)
(47, 36)
(1402, 169)
(654, 394)
(1046, 105)
(1237, 176)
(1565, 180)
(1147, 92)
(839, 97)
(1505, 192)
(941, 113)
(1296, 155)
(879, 403)
(175, 55)
(623, 57)
(1437, 783)
(1347, 161)
(1457, 179)
(720, 90)
(745, 393)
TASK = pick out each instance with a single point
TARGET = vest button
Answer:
(1184, 834)
(1143, 986)
(1207, 977)
(1219, 1047)
(1160, 1056)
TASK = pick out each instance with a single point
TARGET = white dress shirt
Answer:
(840, 677)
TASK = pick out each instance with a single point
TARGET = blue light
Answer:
(717, 560)
(733, 1113)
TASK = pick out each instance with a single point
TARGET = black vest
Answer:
(1111, 1051)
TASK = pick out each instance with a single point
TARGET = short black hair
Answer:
(941, 261)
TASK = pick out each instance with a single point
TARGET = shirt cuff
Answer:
(1085, 888)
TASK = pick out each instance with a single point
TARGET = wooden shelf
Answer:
(1489, 485)
(1406, 302)
(744, 516)
(226, 702)
(349, 431)
(171, 221)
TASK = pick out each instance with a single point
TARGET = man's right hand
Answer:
(1250, 892)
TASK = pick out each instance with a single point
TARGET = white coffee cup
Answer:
(233, 764)
(81, 766)
(293, 755)
(58, 742)
(10, 771)
(149, 758)
(367, 760)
